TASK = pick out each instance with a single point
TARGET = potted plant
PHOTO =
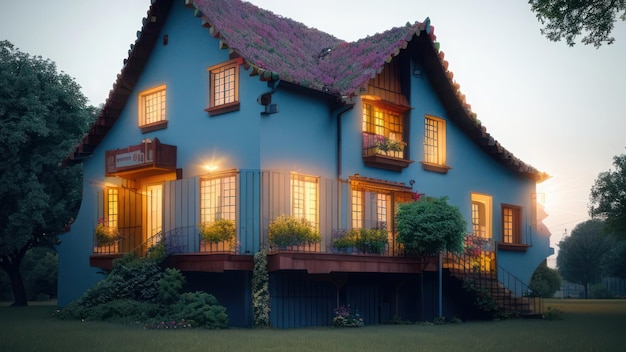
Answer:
(371, 241)
(287, 230)
(218, 230)
(344, 240)
(106, 235)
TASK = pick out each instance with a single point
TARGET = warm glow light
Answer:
(210, 167)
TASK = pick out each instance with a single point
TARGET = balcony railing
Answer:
(384, 153)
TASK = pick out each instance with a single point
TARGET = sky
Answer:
(555, 107)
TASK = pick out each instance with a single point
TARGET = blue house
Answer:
(227, 112)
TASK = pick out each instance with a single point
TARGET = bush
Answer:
(288, 230)
(139, 291)
(552, 314)
(545, 281)
(371, 240)
(200, 307)
(430, 225)
(218, 230)
(598, 291)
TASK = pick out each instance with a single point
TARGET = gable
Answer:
(278, 48)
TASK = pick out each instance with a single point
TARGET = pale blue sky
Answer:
(555, 107)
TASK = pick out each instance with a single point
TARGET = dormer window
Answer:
(223, 87)
(152, 109)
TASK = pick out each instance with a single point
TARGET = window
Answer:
(152, 109)
(217, 199)
(511, 224)
(223, 87)
(435, 144)
(383, 131)
(370, 209)
(304, 197)
(481, 215)
(112, 208)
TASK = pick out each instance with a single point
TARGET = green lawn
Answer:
(593, 325)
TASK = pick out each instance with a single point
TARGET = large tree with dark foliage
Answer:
(581, 254)
(608, 198)
(43, 115)
(567, 19)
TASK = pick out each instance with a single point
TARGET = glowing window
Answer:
(386, 123)
(112, 208)
(217, 199)
(152, 106)
(434, 140)
(304, 197)
(481, 215)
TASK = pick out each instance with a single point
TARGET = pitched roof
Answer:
(295, 53)
(276, 47)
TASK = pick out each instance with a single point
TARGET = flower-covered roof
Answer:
(293, 52)
(276, 47)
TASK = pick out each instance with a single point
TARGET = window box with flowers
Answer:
(217, 236)
(107, 237)
(385, 153)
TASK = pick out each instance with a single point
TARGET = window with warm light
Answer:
(481, 215)
(435, 143)
(383, 130)
(511, 224)
(370, 209)
(112, 207)
(304, 197)
(223, 87)
(218, 198)
(152, 109)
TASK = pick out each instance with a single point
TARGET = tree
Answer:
(608, 198)
(567, 19)
(581, 254)
(431, 225)
(42, 116)
(545, 281)
(614, 263)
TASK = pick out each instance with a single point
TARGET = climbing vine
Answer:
(261, 304)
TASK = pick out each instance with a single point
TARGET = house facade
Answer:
(224, 111)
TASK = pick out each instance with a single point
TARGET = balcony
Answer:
(188, 252)
(384, 153)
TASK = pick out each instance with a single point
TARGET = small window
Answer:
(435, 144)
(223, 87)
(511, 224)
(152, 109)
(481, 215)
(383, 131)
(112, 208)
(304, 198)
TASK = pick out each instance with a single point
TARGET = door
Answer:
(154, 213)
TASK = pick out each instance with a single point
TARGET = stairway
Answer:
(480, 274)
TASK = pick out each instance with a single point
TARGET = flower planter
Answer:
(216, 247)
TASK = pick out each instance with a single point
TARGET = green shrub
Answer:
(599, 291)
(371, 240)
(552, 314)
(200, 307)
(170, 285)
(288, 230)
(430, 225)
(218, 230)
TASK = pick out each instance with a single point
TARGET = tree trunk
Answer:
(586, 290)
(19, 291)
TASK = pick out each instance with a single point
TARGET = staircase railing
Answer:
(480, 268)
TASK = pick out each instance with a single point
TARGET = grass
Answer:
(587, 325)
